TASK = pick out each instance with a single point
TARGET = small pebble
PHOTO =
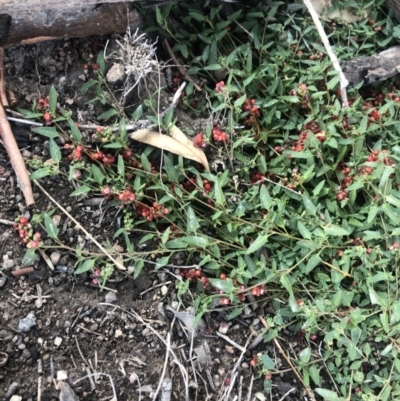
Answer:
(118, 333)
(223, 327)
(16, 398)
(26, 354)
(62, 375)
(57, 341)
(27, 323)
(110, 297)
(55, 257)
(164, 290)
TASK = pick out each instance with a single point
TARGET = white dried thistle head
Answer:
(138, 57)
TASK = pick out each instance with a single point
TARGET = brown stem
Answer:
(180, 68)
(22, 272)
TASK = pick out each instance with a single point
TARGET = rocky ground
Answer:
(61, 337)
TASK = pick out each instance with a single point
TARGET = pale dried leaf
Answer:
(177, 134)
(170, 144)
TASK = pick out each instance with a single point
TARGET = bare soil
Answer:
(123, 350)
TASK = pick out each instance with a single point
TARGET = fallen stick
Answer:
(16, 159)
(10, 144)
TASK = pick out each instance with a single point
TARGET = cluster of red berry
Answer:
(250, 106)
(219, 86)
(127, 196)
(219, 135)
(194, 275)
(89, 65)
(76, 152)
(199, 141)
(43, 106)
(25, 232)
(151, 212)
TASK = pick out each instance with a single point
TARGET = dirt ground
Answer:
(122, 343)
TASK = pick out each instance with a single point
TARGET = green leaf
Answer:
(51, 228)
(332, 229)
(285, 281)
(261, 240)
(98, 175)
(177, 243)
(76, 134)
(290, 99)
(49, 132)
(40, 173)
(305, 355)
(55, 151)
(328, 395)
(101, 62)
(29, 258)
(213, 67)
(107, 114)
(83, 189)
(265, 198)
(53, 99)
(197, 240)
(192, 224)
(87, 85)
(121, 166)
(123, 137)
(268, 363)
(313, 262)
(305, 233)
(387, 209)
(393, 201)
(219, 195)
(162, 262)
(137, 113)
(85, 266)
(223, 285)
(309, 205)
(387, 172)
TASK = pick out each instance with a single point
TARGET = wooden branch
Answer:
(57, 19)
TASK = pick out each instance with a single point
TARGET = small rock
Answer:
(164, 290)
(62, 375)
(174, 305)
(111, 297)
(223, 327)
(26, 354)
(57, 341)
(26, 154)
(118, 333)
(116, 73)
(21, 346)
(82, 77)
(3, 281)
(260, 396)
(16, 398)
(229, 349)
(27, 323)
(56, 219)
(8, 264)
(55, 257)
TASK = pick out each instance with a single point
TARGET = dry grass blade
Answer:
(172, 145)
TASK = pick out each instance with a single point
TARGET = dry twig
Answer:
(10, 144)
